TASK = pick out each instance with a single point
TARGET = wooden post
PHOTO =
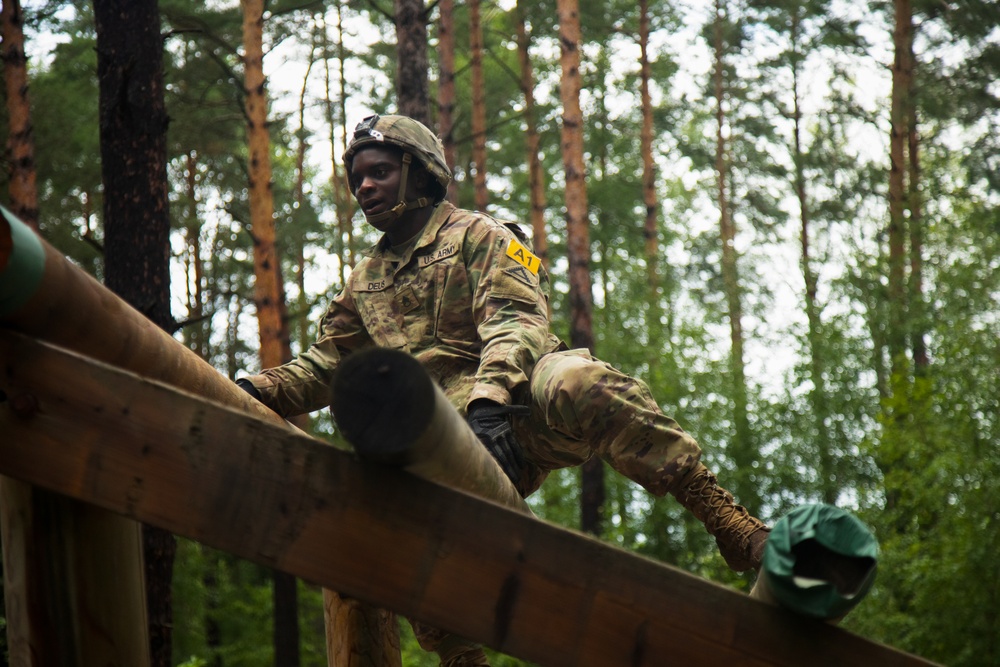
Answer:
(69, 603)
(370, 636)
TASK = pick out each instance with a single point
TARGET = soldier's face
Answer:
(375, 175)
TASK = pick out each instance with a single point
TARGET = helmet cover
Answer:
(408, 134)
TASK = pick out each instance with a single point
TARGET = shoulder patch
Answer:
(521, 274)
(523, 256)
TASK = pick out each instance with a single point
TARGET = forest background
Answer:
(788, 225)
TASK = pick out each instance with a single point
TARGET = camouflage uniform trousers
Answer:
(583, 407)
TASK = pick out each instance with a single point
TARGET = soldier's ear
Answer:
(421, 178)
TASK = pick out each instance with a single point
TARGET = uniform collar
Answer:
(383, 248)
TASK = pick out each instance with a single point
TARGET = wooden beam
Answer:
(285, 500)
(48, 297)
(389, 409)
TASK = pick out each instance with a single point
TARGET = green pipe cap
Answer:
(22, 274)
(820, 561)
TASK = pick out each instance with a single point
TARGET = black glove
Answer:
(248, 387)
(491, 423)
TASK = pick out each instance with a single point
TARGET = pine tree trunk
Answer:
(268, 297)
(577, 226)
(348, 214)
(411, 60)
(536, 176)
(20, 138)
(446, 88)
(299, 196)
(903, 306)
(898, 135)
(917, 308)
(578, 234)
(651, 224)
(344, 245)
(213, 631)
(478, 108)
(133, 123)
(20, 592)
(232, 336)
(286, 619)
(741, 447)
(133, 155)
(195, 267)
(814, 334)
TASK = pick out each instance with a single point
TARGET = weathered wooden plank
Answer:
(444, 557)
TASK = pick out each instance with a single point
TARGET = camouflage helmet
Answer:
(406, 133)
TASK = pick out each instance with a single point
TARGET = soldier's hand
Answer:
(491, 423)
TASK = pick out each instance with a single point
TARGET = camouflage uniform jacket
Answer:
(467, 299)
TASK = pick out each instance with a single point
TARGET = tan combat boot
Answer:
(740, 536)
(452, 650)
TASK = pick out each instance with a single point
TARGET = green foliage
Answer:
(937, 518)
(194, 662)
(67, 151)
(223, 611)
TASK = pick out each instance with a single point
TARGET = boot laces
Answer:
(470, 656)
(725, 519)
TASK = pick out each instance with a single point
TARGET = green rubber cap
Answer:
(25, 265)
(820, 561)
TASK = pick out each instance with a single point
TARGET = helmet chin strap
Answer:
(403, 206)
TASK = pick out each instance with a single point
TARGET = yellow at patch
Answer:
(523, 256)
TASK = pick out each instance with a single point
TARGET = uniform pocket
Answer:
(453, 305)
(380, 320)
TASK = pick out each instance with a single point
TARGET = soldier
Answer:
(463, 293)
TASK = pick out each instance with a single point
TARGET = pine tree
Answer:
(20, 140)
(411, 17)
(577, 234)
